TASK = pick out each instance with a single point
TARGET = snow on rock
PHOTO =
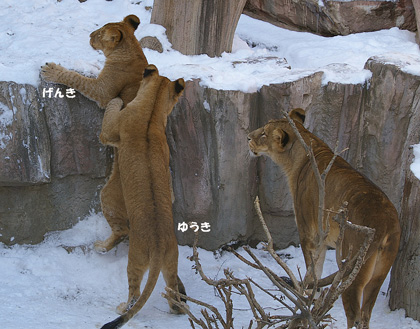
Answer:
(415, 166)
(407, 63)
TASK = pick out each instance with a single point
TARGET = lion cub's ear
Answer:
(132, 20)
(113, 35)
(281, 138)
(179, 86)
(150, 70)
(297, 115)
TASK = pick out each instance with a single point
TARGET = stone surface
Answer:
(74, 125)
(273, 191)
(213, 177)
(416, 5)
(209, 29)
(334, 17)
(405, 283)
(24, 141)
(27, 213)
(388, 122)
(52, 165)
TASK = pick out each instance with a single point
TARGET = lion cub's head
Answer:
(165, 91)
(276, 136)
(112, 35)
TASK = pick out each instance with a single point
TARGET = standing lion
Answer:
(367, 206)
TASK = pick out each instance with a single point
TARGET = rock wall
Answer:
(52, 165)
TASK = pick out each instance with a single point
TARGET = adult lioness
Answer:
(367, 205)
(121, 76)
(138, 131)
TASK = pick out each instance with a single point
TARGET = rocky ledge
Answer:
(52, 165)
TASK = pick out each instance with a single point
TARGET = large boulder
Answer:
(329, 18)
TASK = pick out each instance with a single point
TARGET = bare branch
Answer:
(270, 247)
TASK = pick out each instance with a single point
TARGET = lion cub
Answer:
(367, 206)
(123, 69)
(121, 76)
(138, 131)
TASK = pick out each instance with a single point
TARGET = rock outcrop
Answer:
(330, 17)
(52, 165)
(209, 29)
(25, 148)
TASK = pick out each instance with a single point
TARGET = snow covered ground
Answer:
(51, 286)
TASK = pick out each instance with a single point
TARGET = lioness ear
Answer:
(113, 35)
(132, 20)
(149, 70)
(297, 115)
(179, 85)
(281, 137)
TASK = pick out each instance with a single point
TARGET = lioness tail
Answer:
(148, 289)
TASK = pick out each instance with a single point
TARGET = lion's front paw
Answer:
(51, 72)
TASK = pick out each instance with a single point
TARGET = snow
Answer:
(415, 166)
(6, 119)
(62, 283)
(39, 31)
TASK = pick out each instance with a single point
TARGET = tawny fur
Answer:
(121, 76)
(138, 131)
(367, 205)
(123, 69)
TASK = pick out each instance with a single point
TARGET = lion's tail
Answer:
(152, 278)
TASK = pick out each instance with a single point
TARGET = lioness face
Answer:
(270, 139)
(276, 136)
(108, 37)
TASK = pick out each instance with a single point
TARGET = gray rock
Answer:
(52, 165)
(405, 279)
(74, 125)
(213, 176)
(274, 194)
(24, 140)
(27, 213)
(331, 18)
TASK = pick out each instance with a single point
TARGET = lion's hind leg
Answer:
(114, 210)
(170, 274)
(384, 261)
(138, 263)
(353, 295)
